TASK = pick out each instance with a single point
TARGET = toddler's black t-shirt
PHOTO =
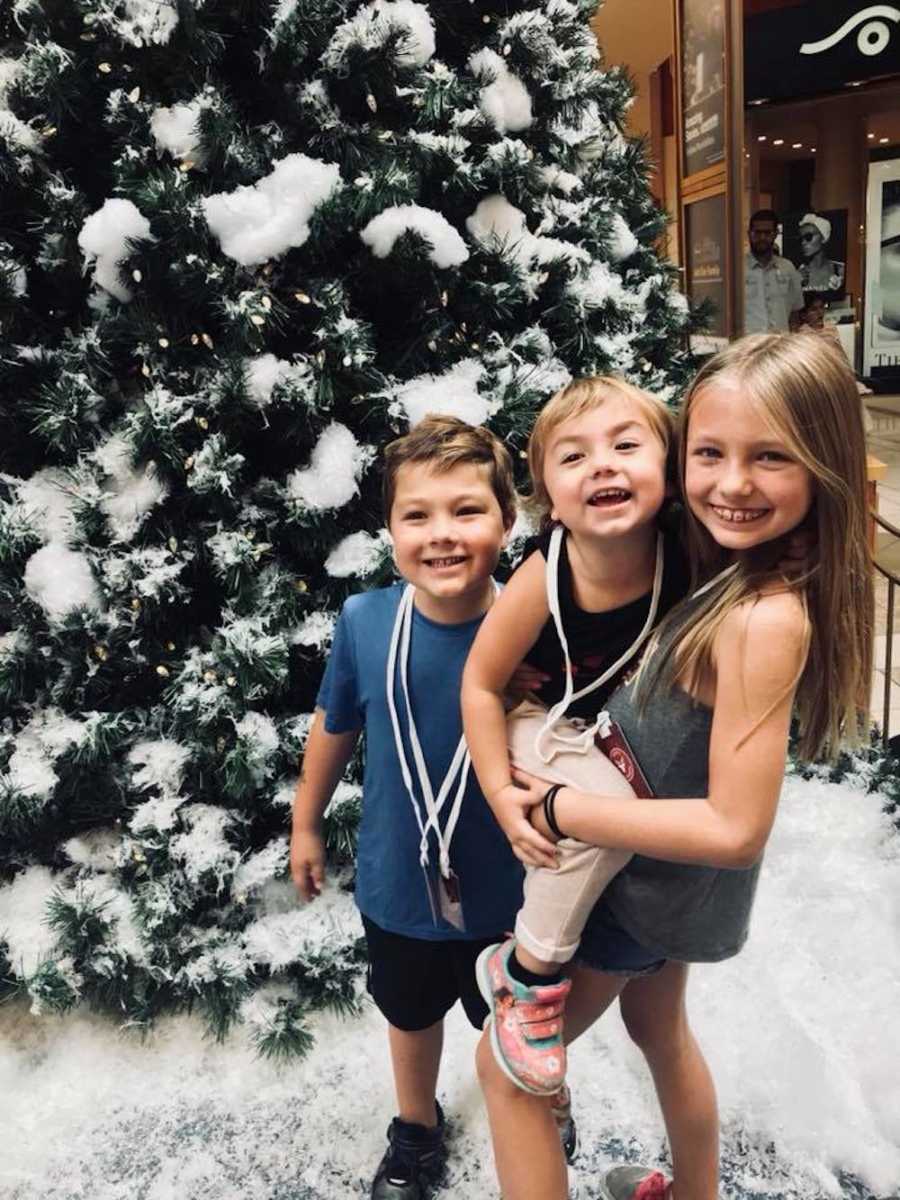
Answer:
(597, 639)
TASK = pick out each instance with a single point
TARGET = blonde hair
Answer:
(580, 396)
(803, 387)
(447, 442)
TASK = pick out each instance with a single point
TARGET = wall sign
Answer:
(881, 344)
(811, 47)
(703, 83)
(706, 236)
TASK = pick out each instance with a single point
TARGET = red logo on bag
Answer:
(620, 759)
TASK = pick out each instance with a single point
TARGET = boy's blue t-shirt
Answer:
(391, 889)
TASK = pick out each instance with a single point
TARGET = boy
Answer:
(431, 898)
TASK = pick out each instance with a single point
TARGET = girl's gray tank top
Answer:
(689, 913)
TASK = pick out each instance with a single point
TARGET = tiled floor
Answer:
(884, 443)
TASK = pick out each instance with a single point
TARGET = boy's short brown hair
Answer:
(447, 442)
(583, 395)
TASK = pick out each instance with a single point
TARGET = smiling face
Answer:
(447, 530)
(742, 480)
(604, 470)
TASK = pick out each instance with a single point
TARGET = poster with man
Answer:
(882, 335)
(815, 241)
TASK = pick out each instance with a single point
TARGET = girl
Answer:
(598, 579)
(771, 439)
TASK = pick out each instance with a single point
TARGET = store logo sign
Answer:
(874, 32)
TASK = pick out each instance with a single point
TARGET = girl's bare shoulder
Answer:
(770, 629)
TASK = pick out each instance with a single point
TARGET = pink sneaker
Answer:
(636, 1183)
(526, 1023)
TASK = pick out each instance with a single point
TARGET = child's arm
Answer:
(506, 635)
(324, 760)
(759, 654)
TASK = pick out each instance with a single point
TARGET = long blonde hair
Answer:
(803, 387)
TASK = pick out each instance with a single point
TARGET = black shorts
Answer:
(415, 982)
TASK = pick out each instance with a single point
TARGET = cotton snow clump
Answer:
(317, 630)
(447, 247)
(451, 394)
(129, 492)
(622, 242)
(336, 465)
(262, 374)
(104, 241)
(372, 26)
(257, 223)
(158, 765)
(505, 100)
(48, 502)
(358, 554)
(175, 130)
(145, 22)
(60, 581)
(23, 919)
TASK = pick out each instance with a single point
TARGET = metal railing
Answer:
(893, 581)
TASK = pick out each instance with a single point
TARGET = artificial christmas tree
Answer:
(244, 244)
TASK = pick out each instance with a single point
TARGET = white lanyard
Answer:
(584, 740)
(460, 763)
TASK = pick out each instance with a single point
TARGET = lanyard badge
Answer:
(442, 882)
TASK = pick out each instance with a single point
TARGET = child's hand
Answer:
(524, 680)
(511, 806)
(308, 863)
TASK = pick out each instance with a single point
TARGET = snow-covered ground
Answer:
(802, 1031)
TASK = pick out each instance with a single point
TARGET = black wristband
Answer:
(550, 807)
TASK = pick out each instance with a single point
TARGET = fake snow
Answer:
(203, 848)
(373, 25)
(336, 465)
(129, 492)
(262, 374)
(48, 501)
(447, 247)
(622, 242)
(175, 131)
(23, 927)
(61, 582)
(454, 393)
(13, 130)
(317, 631)
(357, 555)
(145, 22)
(104, 239)
(257, 223)
(504, 98)
(800, 1030)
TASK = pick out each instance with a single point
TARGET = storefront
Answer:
(792, 105)
(822, 148)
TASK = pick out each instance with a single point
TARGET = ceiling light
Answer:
(796, 145)
(871, 135)
(854, 83)
(883, 140)
(762, 138)
(765, 100)
(812, 149)
(778, 142)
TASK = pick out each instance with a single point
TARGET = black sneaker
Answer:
(414, 1160)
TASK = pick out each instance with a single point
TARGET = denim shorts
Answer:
(606, 946)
